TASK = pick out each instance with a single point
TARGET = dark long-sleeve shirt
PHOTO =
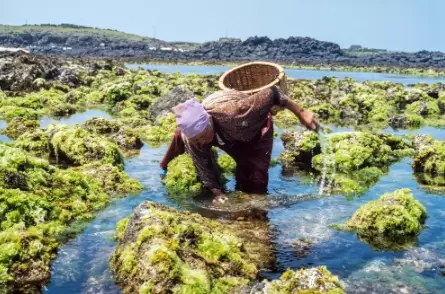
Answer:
(236, 117)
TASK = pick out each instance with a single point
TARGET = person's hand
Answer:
(163, 174)
(219, 196)
(308, 119)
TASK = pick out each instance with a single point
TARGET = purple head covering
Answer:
(191, 118)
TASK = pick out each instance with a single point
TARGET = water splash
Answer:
(326, 146)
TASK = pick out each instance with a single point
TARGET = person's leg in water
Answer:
(252, 163)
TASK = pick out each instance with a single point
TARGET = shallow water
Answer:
(294, 73)
(77, 118)
(82, 264)
(4, 138)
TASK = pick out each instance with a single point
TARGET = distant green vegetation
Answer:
(67, 28)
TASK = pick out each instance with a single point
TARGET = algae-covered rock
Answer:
(353, 161)
(166, 102)
(35, 142)
(125, 137)
(390, 222)
(112, 179)
(311, 280)
(18, 126)
(38, 202)
(430, 155)
(285, 119)
(300, 147)
(182, 176)
(164, 250)
(226, 163)
(161, 132)
(406, 121)
(76, 146)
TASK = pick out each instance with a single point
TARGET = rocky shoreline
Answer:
(291, 51)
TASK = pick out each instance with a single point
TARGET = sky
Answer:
(404, 25)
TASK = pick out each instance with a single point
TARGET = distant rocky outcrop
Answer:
(69, 40)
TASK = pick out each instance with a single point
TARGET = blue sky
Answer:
(408, 25)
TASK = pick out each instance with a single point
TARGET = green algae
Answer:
(389, 223)
(35, 142)
(77, 146)
(285, 119)
(357, 162)
(125, 137)
(315, 280)
(181, 252)
(112, 179)
(18, 126)
(38, 202)
(182, 176)
(162, 132)
(430, 157)
(227, 163)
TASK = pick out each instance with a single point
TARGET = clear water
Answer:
(76, 118)
(82, 264)
(294, 73)
(4, 138)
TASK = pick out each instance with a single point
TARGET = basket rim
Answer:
(274, 82)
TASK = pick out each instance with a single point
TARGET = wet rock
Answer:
(312, 280)
(300, 147)
(166, 102)
(391, 222)
(35, 142)
(430, 155)
(19, 126)
(38, 203)
(162, 249)
(76, 146)
(405, 121)
(423, 108)
(112, 179)
(433, 94)
(125, 137)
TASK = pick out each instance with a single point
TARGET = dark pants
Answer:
(252, 162)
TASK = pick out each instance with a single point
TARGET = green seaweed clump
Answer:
(392, 222)
(125, 137)
(430, 156)
(35, 142)
(38, 203)
(285, 119)
(112, 179)
(162, 132)
(182, 176)
(161, 249)
(354, 161)
(300, 146)
(315, 280)
(227, 163)
(18, 126)
(77, 146)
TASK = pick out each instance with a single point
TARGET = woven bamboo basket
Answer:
(253, 77)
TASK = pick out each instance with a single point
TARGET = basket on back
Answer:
(253, 77)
